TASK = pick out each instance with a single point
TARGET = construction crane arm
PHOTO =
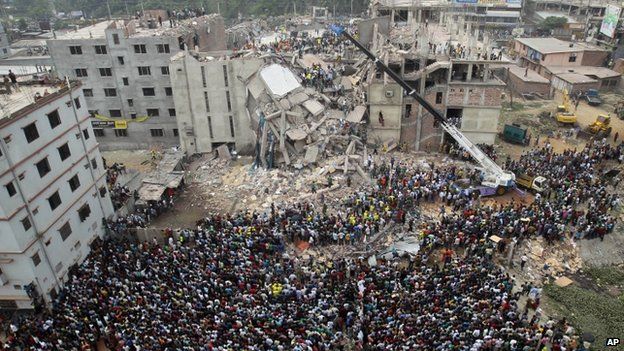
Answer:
(495, 176)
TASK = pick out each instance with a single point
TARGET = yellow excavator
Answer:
(564, 114)
(601, 126)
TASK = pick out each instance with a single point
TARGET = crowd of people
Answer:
(119, 193)
(229, 284)
(140, 218)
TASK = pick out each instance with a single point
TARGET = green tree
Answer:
(552, 22)
(35, 9)
(21, 24)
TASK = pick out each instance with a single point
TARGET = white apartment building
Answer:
(124, 69)
(53, 193)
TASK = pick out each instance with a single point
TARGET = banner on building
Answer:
(110, 124)
(610, 21)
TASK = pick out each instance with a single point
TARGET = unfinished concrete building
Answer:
(451, 69)
(496, 14)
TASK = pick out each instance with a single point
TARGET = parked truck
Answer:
(532, 183)
(593, 97)
(515, 133)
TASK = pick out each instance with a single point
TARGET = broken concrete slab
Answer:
(311, 154)
(296, 134)
(346, 84)
(285, 104)
(224, 152)
(298, 98)
(357, 114)
(314, 107)
(335, 114)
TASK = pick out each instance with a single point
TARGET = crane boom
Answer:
(495, 176)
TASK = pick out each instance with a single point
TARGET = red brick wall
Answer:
(594, 58)
(522, 87)
(492, 95)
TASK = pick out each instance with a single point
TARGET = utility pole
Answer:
(126, 4)
(218, 7)
(351, 8)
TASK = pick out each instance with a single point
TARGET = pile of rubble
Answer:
(299, 126)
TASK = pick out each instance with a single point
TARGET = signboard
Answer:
(610, 21)
(121, 124)
(110, 124)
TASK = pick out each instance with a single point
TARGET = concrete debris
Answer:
(314, 107)
(300, 125)
(357, 114)
(311, 154)
(224, 152)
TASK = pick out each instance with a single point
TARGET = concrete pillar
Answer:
(419, 16)
(469, 74)
(402, 66)
(486, 72)
(392, 18)
(410, 17)
(421, 91)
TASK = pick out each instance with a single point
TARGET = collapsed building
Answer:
(257, 105)
(256, 102)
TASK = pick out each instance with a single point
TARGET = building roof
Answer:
(19, 104)
(531, 76)
(95, 31)
(575, 78)
(279, 80)
(598, 72)
(546, 14)
(25, 96)
(140, 28)
(554, 45)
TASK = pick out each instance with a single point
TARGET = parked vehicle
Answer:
(517, 134)
(533, 183)
(592, 97)
(600, 128)
(564, 114)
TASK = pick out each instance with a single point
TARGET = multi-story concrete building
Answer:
(53, 193)
(497, 14)
(210, 99)
(124, 68)
(538, 53)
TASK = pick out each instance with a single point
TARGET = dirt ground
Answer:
(527, 114)
(139, 160)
